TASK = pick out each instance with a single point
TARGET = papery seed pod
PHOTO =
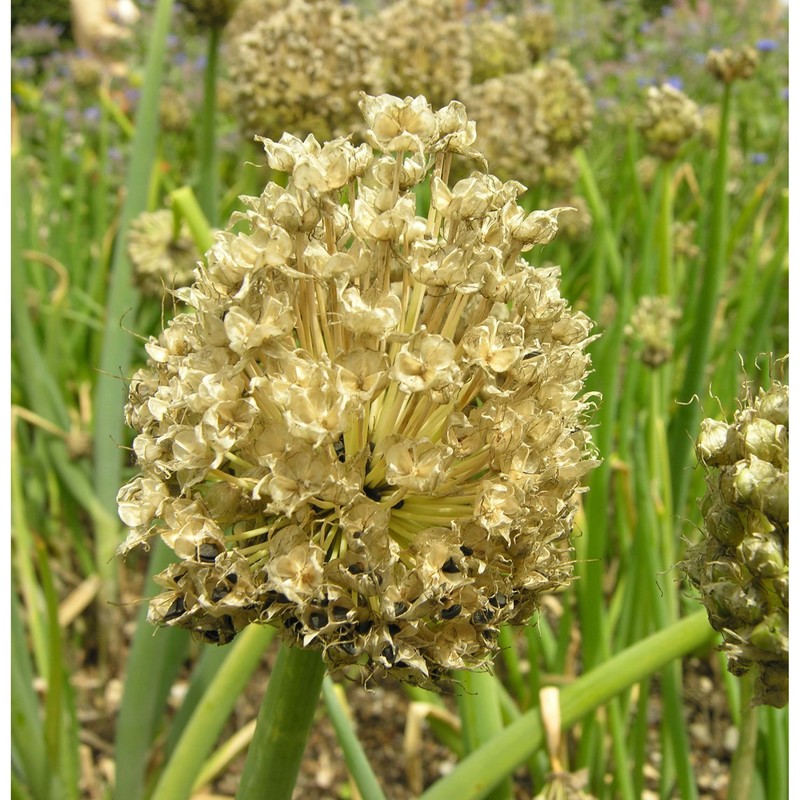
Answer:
(741, 569)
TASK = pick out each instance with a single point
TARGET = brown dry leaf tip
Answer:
(741, 567)
(729, 65)
(668, 121)
(652, 326)
(160, 255)
(369, 430)
(300, 67)
(530, 122)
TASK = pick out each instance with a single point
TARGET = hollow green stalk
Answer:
(211, 713)
(481, 770)
(115, 357)
(479, 710)
(284, 722)
(743, 766)
(208, 190)
(357, 763)
(685, 422)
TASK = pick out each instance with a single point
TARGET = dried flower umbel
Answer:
(424, 48)
(741, 567)
(730, 65)
(530, 122)
(668, 121)
(162, 256)
(652, 326)
(370, 431)
(301, 67)
(495, 47)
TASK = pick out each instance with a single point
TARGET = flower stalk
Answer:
(284, 722)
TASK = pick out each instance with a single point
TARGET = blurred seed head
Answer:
(668, 121)
(299, 69)
(729, 65)
(741, 567)
(210, 13)
(530, 122)
(425, 49)
(161, 257)
(174, 110)
(495, 47)
(652, 326)
(537, 27)
(369, 430)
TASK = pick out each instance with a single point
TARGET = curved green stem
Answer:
(474, 777)
(211, 713)
(284, 723)
(208, 131)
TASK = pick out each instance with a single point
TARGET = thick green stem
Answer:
(284, 723)
(211, 713)
(741, 781)
(685, 423)
(208, 131)
(474, 777)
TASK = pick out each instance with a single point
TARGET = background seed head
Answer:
(741, 567)
(668, 121)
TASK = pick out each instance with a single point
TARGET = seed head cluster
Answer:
(652, 327)
(161, 256)
(530, 122)
(741, 567)
(369, 429)
(301, 67)
(729, 65)
(668, 121)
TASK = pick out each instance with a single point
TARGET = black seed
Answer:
(373, 493)
(399, 504)
(358, 534)
(219, 592)
(207, 553)
(393, 629)
(400, 609)
(348, 647)
(364, 626)
(317, 620)
(355, 569)
(340, 613)
(450, 566)
(388, 653)
(452, 612)
(489, 633)
(212, 637)
(281, 598)
(177, 609)
(499, 600)
(467, 551)
(290, 622)
(400, 664)
(179, 578)
(232, 578)
(480, 618)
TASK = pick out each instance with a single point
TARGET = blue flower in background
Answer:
(766, 45)
(758, 158)
(675, 82)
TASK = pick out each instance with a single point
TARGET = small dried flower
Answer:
(160, 256)
(741, 567)
(653, 326)
(669, 120)
(300, 68)
(424, 48)
(730, 65)
(369, 431)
